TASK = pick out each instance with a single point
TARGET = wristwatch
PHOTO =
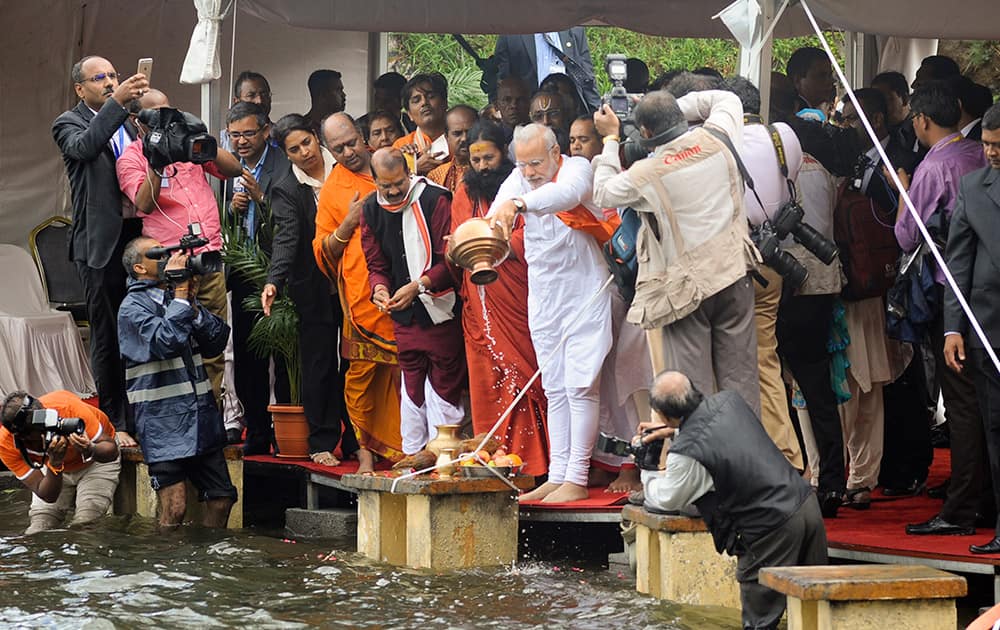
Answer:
(421, 289)
(519, 204)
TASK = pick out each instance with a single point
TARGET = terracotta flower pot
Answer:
(291, 431)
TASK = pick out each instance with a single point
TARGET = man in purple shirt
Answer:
(936, 113)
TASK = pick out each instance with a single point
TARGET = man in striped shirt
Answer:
(163, 333)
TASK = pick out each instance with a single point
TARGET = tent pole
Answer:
(378, 60)
(755, 62)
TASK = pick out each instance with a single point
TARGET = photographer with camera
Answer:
(693, 292)
(164, 176)
(164, 333)
(757, 507)
(64, 451)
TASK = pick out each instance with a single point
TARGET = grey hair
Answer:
(133, 254)
(526, 133)
(77, 71)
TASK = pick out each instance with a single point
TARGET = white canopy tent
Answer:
(287, 39)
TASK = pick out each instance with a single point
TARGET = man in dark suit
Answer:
(534, 56)
(91, 137)
(973, 256)
(249, 197)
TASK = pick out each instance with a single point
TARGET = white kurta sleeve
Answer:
(722, 110)
(683, 482)
(612, 187)
(571, 188)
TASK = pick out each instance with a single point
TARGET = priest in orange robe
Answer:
(498, 346)
(371, 385)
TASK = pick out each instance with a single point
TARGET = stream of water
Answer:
(122, 573)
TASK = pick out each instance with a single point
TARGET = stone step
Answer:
(330, 523)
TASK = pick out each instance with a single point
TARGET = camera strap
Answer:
(724, 138)
(779, 151)
(26, 457)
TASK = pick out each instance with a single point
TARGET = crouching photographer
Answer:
(64, 451)
(164, 176)
(756, 506)
(163, 333)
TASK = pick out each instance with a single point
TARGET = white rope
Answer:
(232, 51)
(905, 196)
(517, 399)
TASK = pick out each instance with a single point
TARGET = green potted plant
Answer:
(277, 335)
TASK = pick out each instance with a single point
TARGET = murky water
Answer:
(121, 573)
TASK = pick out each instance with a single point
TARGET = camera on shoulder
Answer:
(175, 136)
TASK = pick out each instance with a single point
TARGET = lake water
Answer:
(122, 573)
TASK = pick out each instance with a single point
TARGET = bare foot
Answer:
(599, 478)
(325, 458)
(627, 481)
(540, 492)
(125, 440)
(366, 462)
(567, 493)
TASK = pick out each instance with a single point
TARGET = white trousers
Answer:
(416, 422)
(573, 420)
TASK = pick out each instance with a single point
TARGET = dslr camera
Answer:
(175, 136)
(197, 264)
(47, 421)
(647, 456)
(788, 221)
(622, 104)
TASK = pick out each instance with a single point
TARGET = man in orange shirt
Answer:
(76, 472)
(425, 98)
(371, 385)
(459, 120)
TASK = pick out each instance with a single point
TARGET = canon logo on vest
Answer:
(680, 156)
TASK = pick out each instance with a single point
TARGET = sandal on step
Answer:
(324, 458)
(859, 499)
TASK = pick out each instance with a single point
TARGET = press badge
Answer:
(164, 183)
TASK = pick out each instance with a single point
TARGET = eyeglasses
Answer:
(99, 78)
(532, 163)
(245, 135)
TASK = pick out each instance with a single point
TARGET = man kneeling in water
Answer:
(75, 468)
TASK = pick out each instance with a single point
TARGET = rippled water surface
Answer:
(122, 573)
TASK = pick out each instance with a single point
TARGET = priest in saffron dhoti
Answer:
(402, 232)
(371, 385)
(498, 345)
(567, 297)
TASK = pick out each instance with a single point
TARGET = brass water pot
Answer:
(479, 249)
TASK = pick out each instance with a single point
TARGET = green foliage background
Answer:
(410, 53)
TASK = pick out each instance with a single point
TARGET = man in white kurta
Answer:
(566, 273)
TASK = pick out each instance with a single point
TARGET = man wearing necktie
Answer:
(91, 137)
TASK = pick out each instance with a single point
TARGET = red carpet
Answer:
(598, 499)
(346, 467)
(882, 528)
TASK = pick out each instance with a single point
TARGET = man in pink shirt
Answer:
(169, 201)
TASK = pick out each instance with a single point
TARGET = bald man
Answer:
(371, 384)
(754, 502)
(403, 227)
(91, 137)
(512, 100)
(459, 120)
(169, 200)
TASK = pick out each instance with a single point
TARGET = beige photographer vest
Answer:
(693, 241)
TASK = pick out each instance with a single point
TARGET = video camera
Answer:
(197, 264)
(647, 456)
(768, 236)
(623, 104)
(175, 136)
